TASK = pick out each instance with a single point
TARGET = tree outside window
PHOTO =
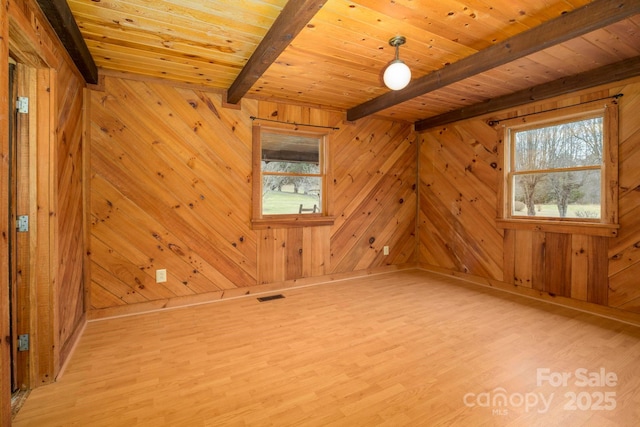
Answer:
(560, 170)
(557, 169)
(290, 172)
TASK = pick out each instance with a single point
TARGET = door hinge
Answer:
(22, 104)
(23, 342)
(22, 223)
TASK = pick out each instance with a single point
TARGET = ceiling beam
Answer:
(606, 74)
(295, 15)
(61, 19)
(578, 22)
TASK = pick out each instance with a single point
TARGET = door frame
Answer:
(23, 186)
(12, 233)
(39, 266)
(5, 348)
(26, 35)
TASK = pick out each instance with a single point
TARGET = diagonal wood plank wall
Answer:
(459, 175)
(624, 251)
(171, 188)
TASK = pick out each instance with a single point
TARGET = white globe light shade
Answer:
(397, 75)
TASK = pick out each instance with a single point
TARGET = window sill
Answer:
(560, 226)
(291, 221)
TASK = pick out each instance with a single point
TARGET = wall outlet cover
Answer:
(161, 276)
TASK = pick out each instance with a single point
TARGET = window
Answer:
(562, 168)
(290, 174)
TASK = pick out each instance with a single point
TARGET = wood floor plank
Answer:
(405, 348)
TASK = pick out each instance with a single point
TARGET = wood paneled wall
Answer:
(51, 308)
(5, 329)
(458, 197)
(624, 251)
(171, 189)
(70, 214)
(459, 175)
(54, 189)
(375, 195)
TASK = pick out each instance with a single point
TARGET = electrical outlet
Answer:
(161, 276)
(385, 250)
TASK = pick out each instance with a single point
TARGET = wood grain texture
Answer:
(606, 74)
(26, 42)
(86, 197)
(458, 201)
(570, 263)
(59, 16)
(401, 349)
(25, 244)
(624, 251)
(69, 215)
(204, 41)
(592, 17)
(336, 60)
(5, 329)
(171, 175)
(557, 267)
(47, 339)
(580, 266)
(171, 188)
(598, 271)
(293, 17)
(374, 176)
(54, 185)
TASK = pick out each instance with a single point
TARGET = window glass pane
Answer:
(290, 148)
(572, 144)
(283, 194)
(289, 167)
(570, 194)
(287, 162)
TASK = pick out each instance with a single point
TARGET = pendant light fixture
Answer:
(397, 75)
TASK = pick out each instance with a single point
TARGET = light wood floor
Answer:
(407, 348)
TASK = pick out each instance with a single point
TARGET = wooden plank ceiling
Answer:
(334, 56)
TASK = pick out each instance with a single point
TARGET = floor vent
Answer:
(270, 297)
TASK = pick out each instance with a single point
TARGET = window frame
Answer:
(261, 221)
(607, 224)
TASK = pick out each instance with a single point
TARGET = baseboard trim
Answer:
(612, 313)
(70, 346)
(242, 292)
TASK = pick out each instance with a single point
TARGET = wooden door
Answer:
(19, 271)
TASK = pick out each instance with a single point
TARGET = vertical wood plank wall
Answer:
(171, 189)
(70, 216)
(458, 169)
(5, 348)
(54, 183)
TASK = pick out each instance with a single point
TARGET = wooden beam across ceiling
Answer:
(606, 74)
(583, 20)
(61, 19)
(292, 19)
